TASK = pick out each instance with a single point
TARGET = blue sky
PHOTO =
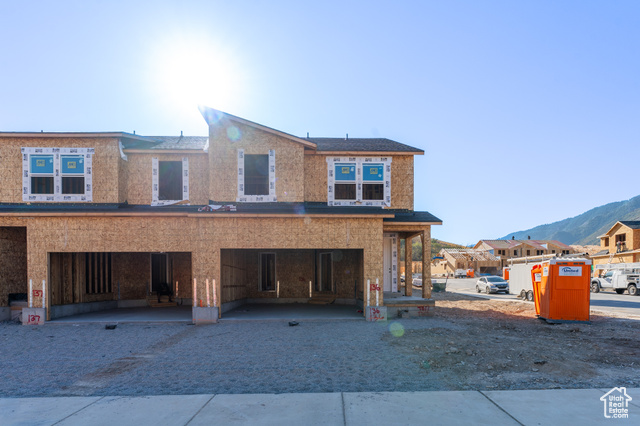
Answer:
(527, 110)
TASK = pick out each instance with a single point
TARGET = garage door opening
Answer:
(279, 277)
(98, 281)
(13, 271)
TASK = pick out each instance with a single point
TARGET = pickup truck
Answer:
(618, 280)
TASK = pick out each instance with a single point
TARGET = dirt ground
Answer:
(502, 345)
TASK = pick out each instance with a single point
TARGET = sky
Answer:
(528, 111)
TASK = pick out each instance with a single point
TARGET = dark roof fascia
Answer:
(633, 224)
(303, 209)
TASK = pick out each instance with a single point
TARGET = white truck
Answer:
(618, 277)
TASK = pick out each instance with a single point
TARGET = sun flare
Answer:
(194, 72)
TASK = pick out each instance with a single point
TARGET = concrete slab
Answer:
(125, 315)
(204, 315)
(433, 408)
(40, 411)
(293, 311)
(553, 406)
(267, 409)
(139, 411)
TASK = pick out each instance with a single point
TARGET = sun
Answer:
(196, 71)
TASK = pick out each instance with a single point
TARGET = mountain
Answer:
(585, 228)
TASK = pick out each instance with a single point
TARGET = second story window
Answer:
(256, 174)
(356, 181)
(57, 174)
(170, 181)
(256, 177)
(345, 186)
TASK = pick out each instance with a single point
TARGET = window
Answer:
(357, 181)
(256, 174)
(170, 181)
(57, 174)
(515, 252)
(72, 172)
(267, 271)
(345, 186)
(539, 252)
(256, 177)
(528, 252)
(372, 181)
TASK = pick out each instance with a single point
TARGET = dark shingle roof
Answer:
(167, 142)
(633, 224)
(362, 144)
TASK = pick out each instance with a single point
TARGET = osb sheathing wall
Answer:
(295, 269)
(315, 180)
(138, 172)
(13, 262)
(223, 154)
(105, 165)
(203, 237)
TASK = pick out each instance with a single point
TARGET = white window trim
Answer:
(359, 161)
(271, 198)
(155, 185)
(57, 195)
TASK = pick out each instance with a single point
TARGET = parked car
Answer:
(492, 284)
(417, 280)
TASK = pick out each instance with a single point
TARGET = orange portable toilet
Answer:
(536, 279)
(565, 290)
(470, 273)
(505, 273)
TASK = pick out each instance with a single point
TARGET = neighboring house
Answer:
(620, 244)
(481, 261)
(508, 249)
(103, 220)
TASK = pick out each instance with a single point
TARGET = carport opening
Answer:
(84, 282)
(285, 276)
(13, 270)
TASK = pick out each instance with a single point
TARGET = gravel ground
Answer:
(469, 344)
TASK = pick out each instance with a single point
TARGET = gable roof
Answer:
(213, 116)
(321, 145)
(633, 224)
(363, 144)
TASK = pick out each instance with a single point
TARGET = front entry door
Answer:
(389, 264)
(159, 270)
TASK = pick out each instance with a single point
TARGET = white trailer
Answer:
(520, 280)
(520, 272)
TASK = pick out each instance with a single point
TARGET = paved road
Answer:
(606, 301)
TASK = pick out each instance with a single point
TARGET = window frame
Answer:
(247, 198)
(360, 163)
(57, 174)
(155, 182)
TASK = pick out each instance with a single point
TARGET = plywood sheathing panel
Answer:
(315, 180)
(13, 262)
(105, 165)
(203, 237)
(131, 275)
(227, 137)
(138, 170)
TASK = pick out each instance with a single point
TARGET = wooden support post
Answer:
(426, 263)
(408, 263)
